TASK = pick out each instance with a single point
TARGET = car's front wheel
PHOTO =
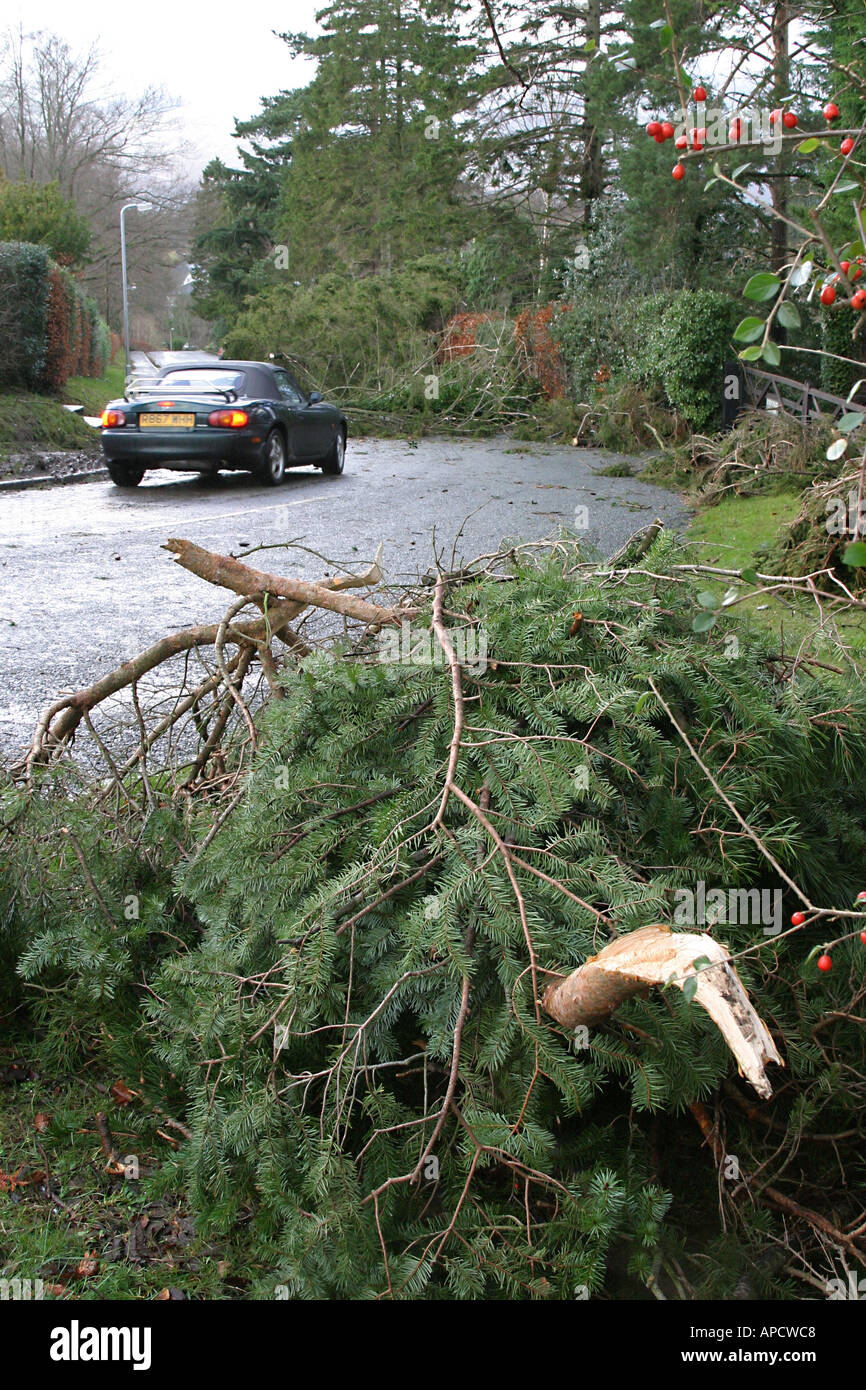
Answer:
(272, 469)
(336, 459)
(125, 474)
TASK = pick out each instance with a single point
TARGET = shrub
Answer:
(683, 350)
(536, 332)
(51, 329)
(38, 213)
(60, 357)
(24, 294)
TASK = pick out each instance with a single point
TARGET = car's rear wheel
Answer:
(336, 460)
(272, 468)
(125, 474)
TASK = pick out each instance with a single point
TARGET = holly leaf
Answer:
(801, 274)
(702, 622)
(747, 330)
(749, 577)
(847, 186)
(788, 315)
(850, 421)
(808, 146)
(690, 989)
(751, 354)
(855, 554)
(762, 286)
(837, 449)
(707, 599)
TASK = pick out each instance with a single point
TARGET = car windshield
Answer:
(203, 379)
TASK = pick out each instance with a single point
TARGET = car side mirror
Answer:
(314, 397)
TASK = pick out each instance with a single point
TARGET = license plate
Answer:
(166, 422)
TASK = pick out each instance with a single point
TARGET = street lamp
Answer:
(139, 207)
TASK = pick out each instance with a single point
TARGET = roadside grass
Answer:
(28, 421)
(738, 533)
(87, 1232)
(94, 393)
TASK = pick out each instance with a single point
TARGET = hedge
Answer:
(675, 344)
(49, 329)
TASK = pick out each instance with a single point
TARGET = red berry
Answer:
(659, 139)
(654, 128)
(847, 146)
(667, 129)
(679, 171)
(696, 145)
(701, 134)
(831, 111)
(863, 937)
(825, 962)
(736, 130)
(861, 897)
(828, 295)
(775, 115)
(859, 299)
(797, 919)
(789, 119)
(845, 265)
(856, 272)
(682, 142)
(700, 93)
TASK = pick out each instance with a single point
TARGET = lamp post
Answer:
(139, 207)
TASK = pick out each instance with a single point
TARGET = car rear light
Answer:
(113, 419)
(228, 419)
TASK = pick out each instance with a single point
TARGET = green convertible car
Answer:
(213, 415)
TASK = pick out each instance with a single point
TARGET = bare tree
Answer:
(56, 124)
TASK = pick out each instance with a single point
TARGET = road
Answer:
(86, 584)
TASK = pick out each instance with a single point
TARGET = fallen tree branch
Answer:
(60, 720)
(655, 956)
(231, 574)
(64, 715)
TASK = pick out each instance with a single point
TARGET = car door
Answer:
(292, 401)
(316, 421)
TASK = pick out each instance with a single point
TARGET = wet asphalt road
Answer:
(86, 585)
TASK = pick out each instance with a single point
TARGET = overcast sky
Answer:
(218, 58)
